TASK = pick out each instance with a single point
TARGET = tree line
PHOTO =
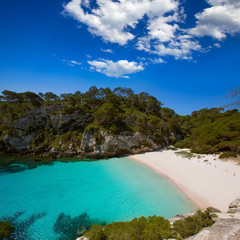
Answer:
(120, 110)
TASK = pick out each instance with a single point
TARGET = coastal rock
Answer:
(19, 142)
(82, 238)
(179, 217)
(214, 210)
(223, 229)
(49, 125)
(127, 142)
(69, 122)
(37, 118)
(234, 207)
(48, 116)
(88, 143)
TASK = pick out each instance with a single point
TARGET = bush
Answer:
(185, 154)
(6, 229)
(228, 155)
(193, 224)
(152, 228)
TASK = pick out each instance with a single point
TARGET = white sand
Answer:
(212, 183)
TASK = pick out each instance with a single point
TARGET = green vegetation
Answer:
(210, 131)
(193, 224)
(114, 111)
(152, 228)
(228, 155)
(185, 154)
(121, 110)
(6, 229)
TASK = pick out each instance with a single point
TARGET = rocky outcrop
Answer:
(82, 238)
(70, 122)
(49, 116)
(18, 142)
(234, 207)
(223, 229)
(179, 217)
(37, 118)
(226, 227)
(90, 144)
(107, 146)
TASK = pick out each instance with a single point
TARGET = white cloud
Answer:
(107, 50)
(113, 21)
(222, 18)
(71, 62)
(115, 69)
(164, 33)
(180, 46)
(157, 60)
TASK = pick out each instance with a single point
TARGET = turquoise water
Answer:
(117, 189)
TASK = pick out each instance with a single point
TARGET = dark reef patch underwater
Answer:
(10, 163)
(71, 228)
(21, 224)
(66, 227)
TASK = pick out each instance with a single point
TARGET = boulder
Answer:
(214, 210)
(234, 207)
(19, 142)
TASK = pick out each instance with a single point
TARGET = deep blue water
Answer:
(117, 189)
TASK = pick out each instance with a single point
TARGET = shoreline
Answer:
(205, 180)
(199, 203)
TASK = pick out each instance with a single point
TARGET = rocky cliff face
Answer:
(48, 120)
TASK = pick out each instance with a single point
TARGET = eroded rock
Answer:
(223, 229)
(234, 207)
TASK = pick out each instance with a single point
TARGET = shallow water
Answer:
(117, 189)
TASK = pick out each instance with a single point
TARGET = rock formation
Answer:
(226, 227)
(91, 144)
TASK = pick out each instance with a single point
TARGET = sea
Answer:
(51, 202)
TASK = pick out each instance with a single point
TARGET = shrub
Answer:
(193, 224)
(185, 154)
(228, 155)
(152, 228)
(6, 229)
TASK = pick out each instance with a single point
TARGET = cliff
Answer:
(48, 131)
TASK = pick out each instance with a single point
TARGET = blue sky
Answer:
(185, 53)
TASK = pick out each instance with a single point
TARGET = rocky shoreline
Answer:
(111, 146)
(25, 135)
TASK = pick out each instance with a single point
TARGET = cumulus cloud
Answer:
(180, 47)
(113, 21)
(222, 18)
(163, 33)
(115, 69)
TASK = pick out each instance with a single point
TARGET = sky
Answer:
(185, 53)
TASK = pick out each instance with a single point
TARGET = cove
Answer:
(117, 189)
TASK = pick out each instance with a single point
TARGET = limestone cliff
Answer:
(47, 131)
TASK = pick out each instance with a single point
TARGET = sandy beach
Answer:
(206, 180)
